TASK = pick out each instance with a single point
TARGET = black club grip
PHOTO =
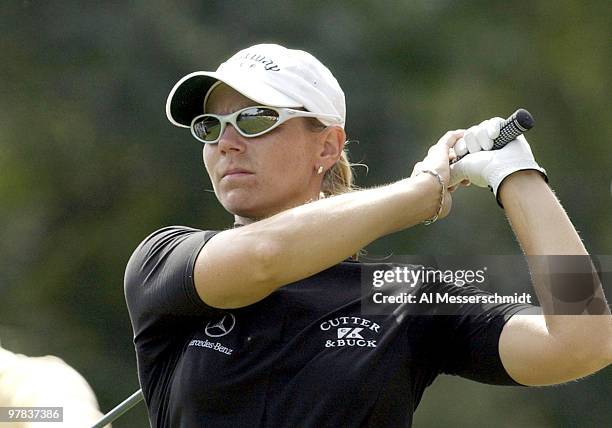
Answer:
(520, 122)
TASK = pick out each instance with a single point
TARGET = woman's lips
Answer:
(234, 174)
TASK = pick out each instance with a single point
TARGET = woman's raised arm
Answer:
(553, 347)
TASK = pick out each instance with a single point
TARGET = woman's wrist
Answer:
(442, 192)
(431, 191)
(517, 184)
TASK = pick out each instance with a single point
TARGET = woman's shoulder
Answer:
(165, 256)
(165, 239)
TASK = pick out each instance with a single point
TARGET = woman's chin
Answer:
(244, 204)
(243, 209)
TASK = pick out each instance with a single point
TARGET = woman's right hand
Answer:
(438, 159)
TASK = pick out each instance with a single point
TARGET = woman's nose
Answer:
(231, 140)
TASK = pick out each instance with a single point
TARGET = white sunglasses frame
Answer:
(284, 114)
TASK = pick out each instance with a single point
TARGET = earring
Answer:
(320, 170)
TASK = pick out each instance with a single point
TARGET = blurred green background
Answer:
(89, 165)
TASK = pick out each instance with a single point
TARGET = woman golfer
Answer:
(261, 324)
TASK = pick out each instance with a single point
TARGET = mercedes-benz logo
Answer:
(221, 327)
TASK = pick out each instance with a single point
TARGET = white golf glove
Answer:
(485, 167)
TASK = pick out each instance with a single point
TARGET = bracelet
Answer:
(441, 180)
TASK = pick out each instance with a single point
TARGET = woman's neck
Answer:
(243, 221)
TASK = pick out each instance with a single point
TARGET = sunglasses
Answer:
(249, 122)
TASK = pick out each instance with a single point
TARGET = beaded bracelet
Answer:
(441, 180)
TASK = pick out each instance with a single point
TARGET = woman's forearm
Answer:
(539, 222)
(548, 238)
(315, 236)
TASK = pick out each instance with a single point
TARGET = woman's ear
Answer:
(332, 140)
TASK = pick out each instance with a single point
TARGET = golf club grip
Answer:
(518, 123)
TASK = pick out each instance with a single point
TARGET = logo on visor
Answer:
(221, 327)
(252, 59)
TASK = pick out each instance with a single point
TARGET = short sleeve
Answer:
(469, 338)
(159, 287)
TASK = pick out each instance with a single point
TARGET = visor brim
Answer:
(186, 99)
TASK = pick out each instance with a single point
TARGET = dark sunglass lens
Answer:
(207, 128)
(256, 120)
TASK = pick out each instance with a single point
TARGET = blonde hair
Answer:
(340, 178)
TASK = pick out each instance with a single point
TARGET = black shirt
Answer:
(303, 356)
